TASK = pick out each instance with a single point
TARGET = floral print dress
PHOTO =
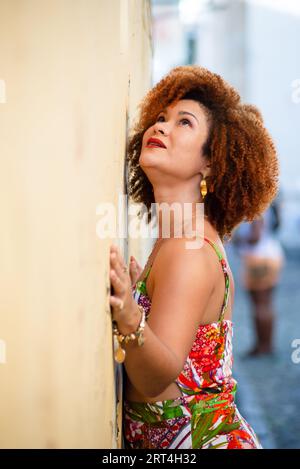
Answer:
(205, 416)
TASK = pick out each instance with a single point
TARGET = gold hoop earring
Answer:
(203, 188)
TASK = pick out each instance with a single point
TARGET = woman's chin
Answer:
(149, 160)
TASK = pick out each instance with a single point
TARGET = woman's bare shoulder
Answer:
(181, 245)
(184, 253)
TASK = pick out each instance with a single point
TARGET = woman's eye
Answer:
(185, 121)
(181, 120)
(160, 119)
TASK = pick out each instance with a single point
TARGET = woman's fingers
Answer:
(115, 265)
(115, 302)
(134, 271)
(117, 282)
(117, 262)
(133, 274)
(120, 281)
(114, 249)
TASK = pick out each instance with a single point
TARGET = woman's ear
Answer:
(206, 173)
(207, 170)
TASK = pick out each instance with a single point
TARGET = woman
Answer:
(262, 261)
(195, 142)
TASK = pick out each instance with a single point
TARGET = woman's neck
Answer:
(176, 221)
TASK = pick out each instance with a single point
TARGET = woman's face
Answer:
(172, 147)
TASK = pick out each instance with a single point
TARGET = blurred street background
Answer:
(268, 386)
(255, 46)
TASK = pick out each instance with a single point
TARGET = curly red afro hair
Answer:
(243, 159)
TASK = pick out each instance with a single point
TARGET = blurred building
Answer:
(254, 45)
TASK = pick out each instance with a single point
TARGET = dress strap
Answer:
(142, 282)
(148, 272)
(226, 275)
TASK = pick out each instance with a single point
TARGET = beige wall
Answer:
(66, 66)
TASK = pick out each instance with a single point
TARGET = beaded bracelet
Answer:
(120, 353)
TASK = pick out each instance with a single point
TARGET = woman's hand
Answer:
(122, 297)
(135, 270)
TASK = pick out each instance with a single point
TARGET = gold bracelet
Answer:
(120, 353)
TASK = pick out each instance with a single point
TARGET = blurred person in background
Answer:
(262, 261)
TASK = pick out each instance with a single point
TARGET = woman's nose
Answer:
(161, 127)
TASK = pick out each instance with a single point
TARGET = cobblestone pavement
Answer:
(268, 393)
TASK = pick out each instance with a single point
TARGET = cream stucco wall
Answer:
(65, 67)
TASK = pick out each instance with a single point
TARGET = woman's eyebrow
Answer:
(184, 112)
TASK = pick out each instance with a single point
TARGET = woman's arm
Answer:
(183, 284)
(152, 367)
